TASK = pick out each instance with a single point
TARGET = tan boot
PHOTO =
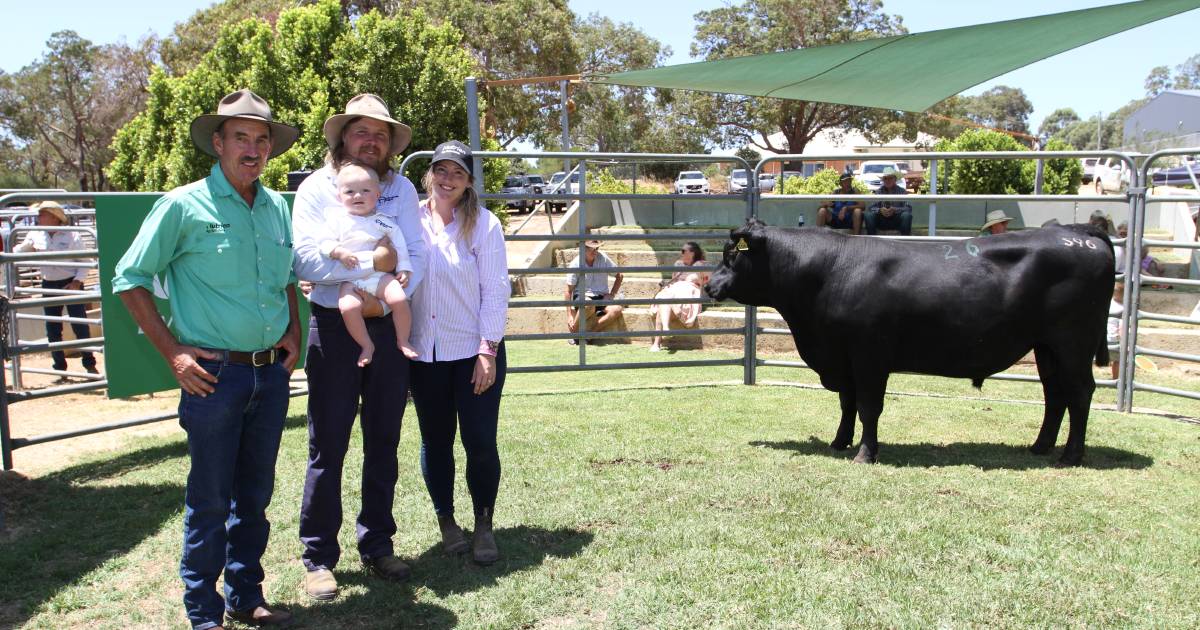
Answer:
(453, 539)
(320, 584)
(483, 542)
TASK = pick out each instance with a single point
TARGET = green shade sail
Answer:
(905, 72)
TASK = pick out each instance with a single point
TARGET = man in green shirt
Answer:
(222, 248)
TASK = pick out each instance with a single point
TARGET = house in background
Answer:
(841, 141)
(1171, 119)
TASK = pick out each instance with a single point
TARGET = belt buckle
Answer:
(269, 356)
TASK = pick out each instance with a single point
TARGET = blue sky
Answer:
(1098, 77)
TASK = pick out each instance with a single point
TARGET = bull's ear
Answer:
(746, 237)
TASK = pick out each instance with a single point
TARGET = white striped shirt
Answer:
(464, 297)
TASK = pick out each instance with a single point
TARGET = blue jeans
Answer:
(233, 439)
(336, 385)
(445, 401)
(54, 330)
(900, 220)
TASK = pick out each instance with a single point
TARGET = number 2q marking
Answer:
(971, 248)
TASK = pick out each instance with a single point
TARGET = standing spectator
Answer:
(1115, 310)
(595, 288)
(683, 284)
(997, 223)
(890, 215)
(367, 134)
(224, 243)
(458, 324)
(50, 214)
(842, 214)
(1119, 250)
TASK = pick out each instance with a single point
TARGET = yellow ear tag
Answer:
(742, 246)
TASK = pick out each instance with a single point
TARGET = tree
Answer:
(612, 118)
(1059, 176)
(192, 38)
(510, 39)
(1187, 74)
(1057, 121)
(750, 155)
(1001, 107)
(307, 67)
(1158, 80)
(63, 109)
(986, 177)
(763, 26)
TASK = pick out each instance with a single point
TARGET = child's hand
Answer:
(348, 259)
(402, 278)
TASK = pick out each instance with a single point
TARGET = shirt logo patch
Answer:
(386, 198)
(216, 228)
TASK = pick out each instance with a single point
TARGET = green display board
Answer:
(131, 363)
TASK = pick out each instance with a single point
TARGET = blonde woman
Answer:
(458, 323)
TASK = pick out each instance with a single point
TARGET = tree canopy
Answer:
(307, 66)
(762, 26)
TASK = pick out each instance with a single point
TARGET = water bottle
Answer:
(801, 221)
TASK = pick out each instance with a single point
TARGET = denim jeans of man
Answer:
(54, 330)
(233, 440)
(336, 385)
(900, 220)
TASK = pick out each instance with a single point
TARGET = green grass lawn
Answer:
(629, 505)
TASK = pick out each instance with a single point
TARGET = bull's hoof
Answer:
(865, 457)
(1069, 460)
(1041, 449)
(839, 445)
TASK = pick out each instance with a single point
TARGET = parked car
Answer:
(1089, 169)
(557, 187)
(1177, 176)
(766, 182)
(536, 183)
(691, 182)
(517, 184)
(739, 178)
(1110, 175)
(870, 173)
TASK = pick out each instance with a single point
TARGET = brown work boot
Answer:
(320, 585)
(261, 615)
(453, 539)
(483, 542)
(388, 568)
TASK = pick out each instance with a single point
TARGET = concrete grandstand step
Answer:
(553, 320)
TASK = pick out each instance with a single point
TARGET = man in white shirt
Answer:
(595, 288)
(50, 214)
(337, 386)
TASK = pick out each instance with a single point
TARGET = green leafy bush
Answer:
(822, 182)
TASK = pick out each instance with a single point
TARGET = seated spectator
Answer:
(1152, 266)
(842, 215)
(595, 288)
(1119, 250)
(890, 215)
(997, 223)
(1115, 309)
(683, 284)
(1102, 221)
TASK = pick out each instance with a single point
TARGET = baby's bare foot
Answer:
(407, 349)
(365, 356)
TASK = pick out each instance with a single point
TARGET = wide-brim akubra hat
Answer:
(367, 106)
(994, 217)
(52, 208)
(246, 105)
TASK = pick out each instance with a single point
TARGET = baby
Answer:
(355, 228)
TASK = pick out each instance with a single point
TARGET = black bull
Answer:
(863, 308)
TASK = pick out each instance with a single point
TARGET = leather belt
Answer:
(258, 358)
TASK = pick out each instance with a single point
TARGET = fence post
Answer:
(473, 130)
(750, 347)
(5, 431)
(1132, 295)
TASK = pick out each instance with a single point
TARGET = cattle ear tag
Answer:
(742, 246)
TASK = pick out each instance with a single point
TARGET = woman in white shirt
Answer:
(459, 313)
(50, 214)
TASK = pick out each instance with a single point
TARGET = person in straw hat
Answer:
(367, 134)
(47, 239)
(223, 245)
(997, 223)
